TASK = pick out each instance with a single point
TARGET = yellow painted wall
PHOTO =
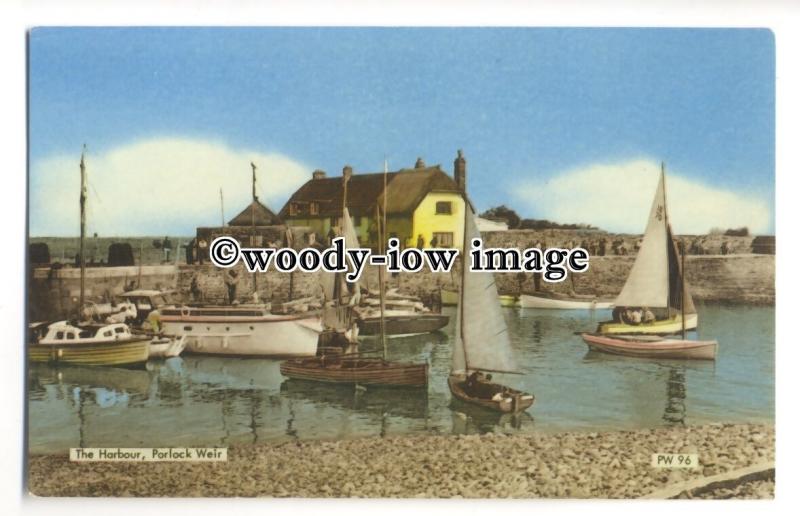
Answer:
(426, 222)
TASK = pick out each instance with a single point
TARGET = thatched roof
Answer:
(406, 188)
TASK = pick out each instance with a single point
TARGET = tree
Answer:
(502, 212)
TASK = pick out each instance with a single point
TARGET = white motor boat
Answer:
(242, 330)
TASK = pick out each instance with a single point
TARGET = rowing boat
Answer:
(652, 346)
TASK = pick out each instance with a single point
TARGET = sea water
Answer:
(197, 400)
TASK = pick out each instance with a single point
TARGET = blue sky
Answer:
(530, 107)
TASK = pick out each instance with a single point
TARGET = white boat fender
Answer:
(497, 397)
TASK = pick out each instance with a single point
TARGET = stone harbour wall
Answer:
(743, 278)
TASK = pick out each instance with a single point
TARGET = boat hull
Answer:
(527, 301)
(518, 401)
(450, 298)
(362, 371)
(508, 301)
(412, 324)
(116, 353)
(274, 336)
(659, 348)
(663, 327)
(167, 347)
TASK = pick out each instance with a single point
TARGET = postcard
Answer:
(401, 262)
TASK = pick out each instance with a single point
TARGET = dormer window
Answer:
(313, 208)
(444, 208)
(292, 209)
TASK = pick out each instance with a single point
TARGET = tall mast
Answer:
(83, 231)
(382, 270)
(461, 290)
(222, 207)
(253, 166)
(683, 291)
(253, 226)
(667, 231)
(338, 286)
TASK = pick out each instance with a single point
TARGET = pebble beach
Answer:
(541, 465)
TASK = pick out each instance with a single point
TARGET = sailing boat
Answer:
(656, 280)
(353, 367)
(481, 343)
(82, 343)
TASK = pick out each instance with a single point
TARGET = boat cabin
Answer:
(145, 302)
(63, 332)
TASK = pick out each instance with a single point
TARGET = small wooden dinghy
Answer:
(356, 369)
(487, 394)
(651, 346)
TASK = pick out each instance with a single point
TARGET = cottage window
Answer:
(119, 329)
(442, 240)
(313, 208)
(292, 209)
(444, 208)
(107, 333)
(70, 336)
(60, 335)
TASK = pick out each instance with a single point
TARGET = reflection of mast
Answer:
(675, 409)
(81, 418)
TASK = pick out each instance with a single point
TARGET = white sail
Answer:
(648, 281)
(482, 333)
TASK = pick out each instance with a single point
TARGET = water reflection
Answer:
(203, 401)
(471, 419)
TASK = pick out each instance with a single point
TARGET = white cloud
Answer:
(157, 186)
(617, 197)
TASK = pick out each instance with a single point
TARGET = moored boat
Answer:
(333, 366)
(356, 369)
(554, 302)
(166, 346)
(242, 330)
(90, 344)
(450, 298)
(402, 323)
(652, 347)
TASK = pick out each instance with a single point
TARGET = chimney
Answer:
(460, 171)
(420, 163)
(318, 174)
(347, 172)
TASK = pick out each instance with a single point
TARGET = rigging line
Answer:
(501, 332)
